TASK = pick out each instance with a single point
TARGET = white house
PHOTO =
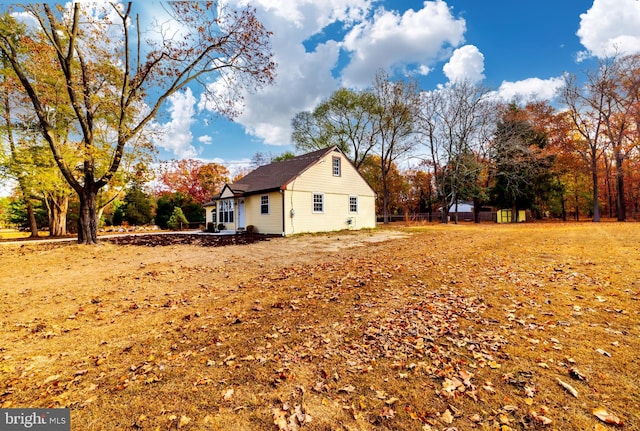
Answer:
(315, 192)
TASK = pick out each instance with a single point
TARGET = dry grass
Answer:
(419, 328)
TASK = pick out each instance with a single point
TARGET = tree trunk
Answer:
(620, 204)
(594, 179)
(88, 220)
(33, 226)
(58, 206)
(476, 210)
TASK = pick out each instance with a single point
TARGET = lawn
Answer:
(487, 327)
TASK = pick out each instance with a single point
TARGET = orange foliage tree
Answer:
(193, 178)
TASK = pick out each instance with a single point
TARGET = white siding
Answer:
(265, 223)
(319, 178)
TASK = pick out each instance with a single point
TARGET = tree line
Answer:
(81, 87)
(427, 151)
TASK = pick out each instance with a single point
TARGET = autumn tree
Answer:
(396, 184)
(622, 100)
(194, 178)
(421, 196)
(519, 166)
(119, 83)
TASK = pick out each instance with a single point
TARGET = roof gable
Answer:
(277, 175)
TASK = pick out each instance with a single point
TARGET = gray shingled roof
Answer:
(278, 174)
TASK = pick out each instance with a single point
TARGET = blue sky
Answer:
(518, 48)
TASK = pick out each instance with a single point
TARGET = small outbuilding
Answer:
(316, 192)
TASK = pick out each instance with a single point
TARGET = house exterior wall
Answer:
(335, 190)
(270, 223)
(295, 204)
(207, 214)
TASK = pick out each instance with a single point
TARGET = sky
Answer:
(521, 49)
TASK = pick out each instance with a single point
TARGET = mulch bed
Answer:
(203, 240)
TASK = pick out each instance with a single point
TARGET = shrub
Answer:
(221, 226)
(177, 220)
(251, 229)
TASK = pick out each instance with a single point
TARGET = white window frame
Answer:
(336, 166)
(226, 211)
(263, 204)
(321, 202)
(351, 204)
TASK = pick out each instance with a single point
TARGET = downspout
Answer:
(283, 214)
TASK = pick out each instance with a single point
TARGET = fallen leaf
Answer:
(51, 379)
(391, 401)
(348, 389)
(447, 417)
(576, 374)
(569, 388)
(606, 417)
(184, 420)
(280, 418)
(388, 413)
(228, 394)
(540, 418)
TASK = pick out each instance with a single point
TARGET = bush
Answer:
(177, 220)
(251, 229)
(221, 226)
(210, 227)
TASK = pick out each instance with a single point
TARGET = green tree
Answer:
(116, 85)
(177, 221)
(138, 208)
(344, 119)
(167, 202)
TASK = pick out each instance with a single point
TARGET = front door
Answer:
(241, 214)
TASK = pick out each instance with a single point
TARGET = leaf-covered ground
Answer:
(435, 327)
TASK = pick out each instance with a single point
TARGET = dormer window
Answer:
(336, 166)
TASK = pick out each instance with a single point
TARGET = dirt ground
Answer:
(410, 328)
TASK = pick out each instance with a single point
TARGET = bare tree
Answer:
(457, 122)
(586, 108)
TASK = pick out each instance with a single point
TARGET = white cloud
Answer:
(610, 26)
(410, 42)
(175, 136)
(531, 89)
(466, 64)
(304, 77)
(205, 139)
(391, 41)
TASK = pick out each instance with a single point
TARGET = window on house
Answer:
(353, 204)
(226, 211)
(318, 202)
(264, 204)
(336, 166)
